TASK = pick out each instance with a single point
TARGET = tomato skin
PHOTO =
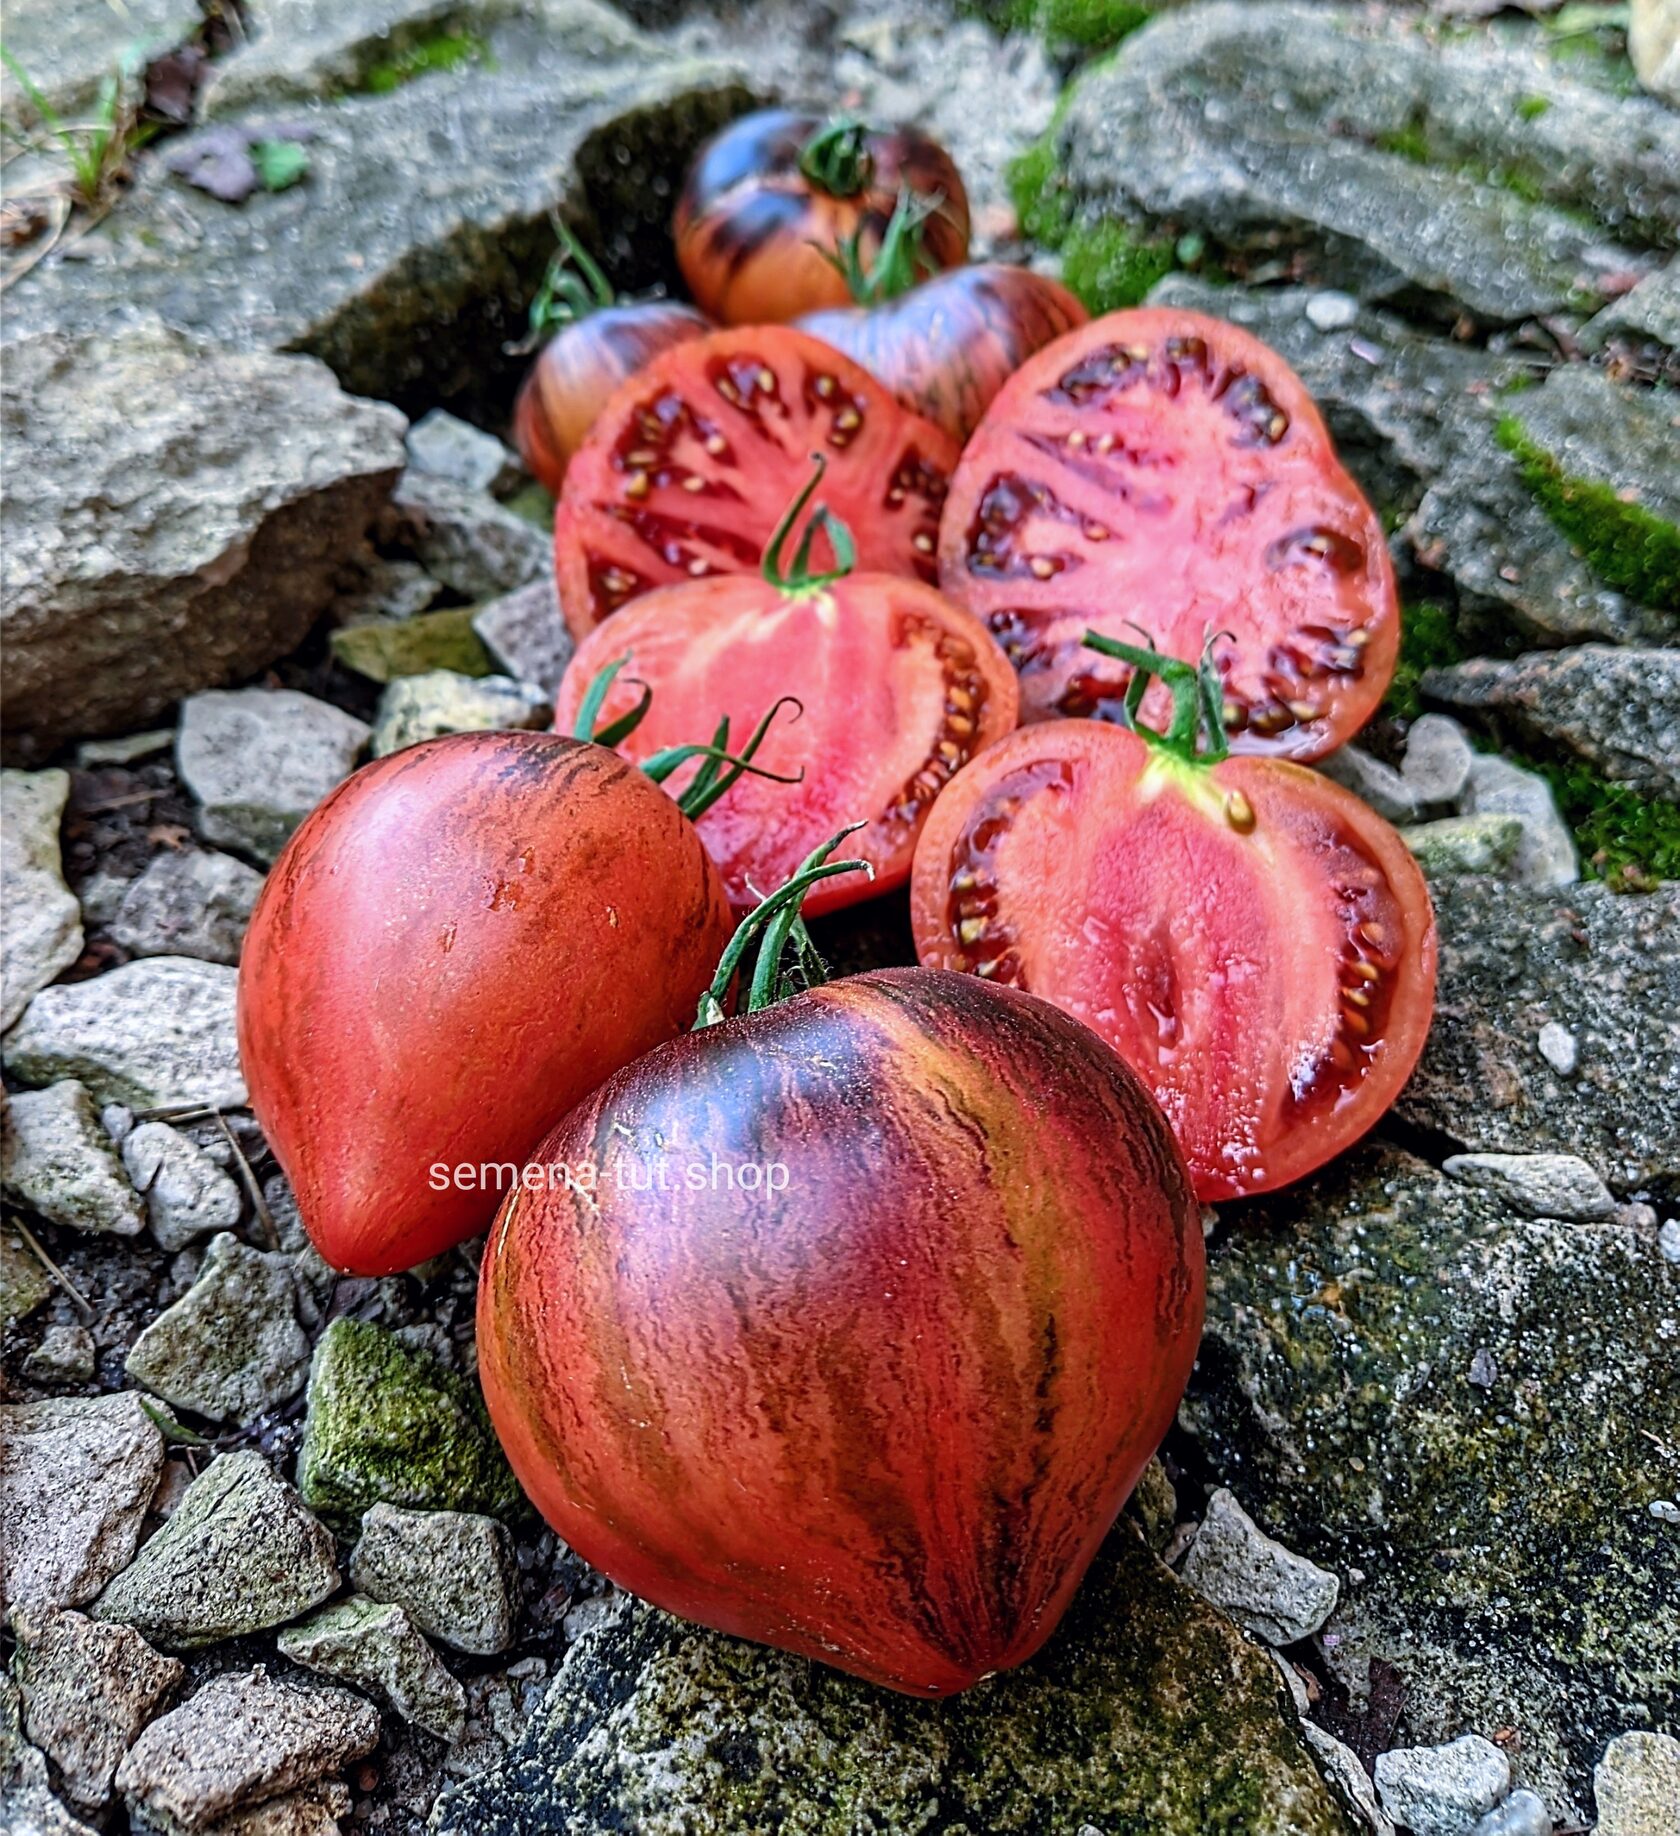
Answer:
(1164, 470)
(456, 945)
(946, 347)
(888, 674)
(1253, 940)
(577, 370)
(882, 1417)
(752, 230)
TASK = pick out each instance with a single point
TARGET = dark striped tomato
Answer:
(457, 945)
(883, 1414)
(1254, 941)
(1166, 472)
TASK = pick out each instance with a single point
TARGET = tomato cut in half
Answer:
(1255, 942)
(694, 460)
(898, 690)
(1165, 472)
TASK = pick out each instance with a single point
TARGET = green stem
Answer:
(799, 580)
(572, 287)
(1197, 692)
(902, 261)
(836, 158)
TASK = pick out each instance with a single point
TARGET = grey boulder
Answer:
(1442, 1791)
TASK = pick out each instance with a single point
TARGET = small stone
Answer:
(1524, 1813)
(453, 1571)
(417, 708)
(1438, 759)
(465, 538)
(239, 1554)
(1442, 1791)
(375, 587)
(24, 1284)
(1559, 1049)
(231, 1348)
(1269, 1590)
(446, 447)
(526, 635)
(1154, 1504)
(387, 649)
(66, 1355)
(57, 1160)
(87, 1691)
(76, 1476)
(1464, 844)
(42, 934)
(1668, 1239)
(188, 903)
(1637, 1785)
(244, 1738)
(1342, 1765)
(1332, 311)
(1373, 782)
(1545, 856)
(257, 761)
(151, 1034)
(187, 1194)
(1537, 1185)
(1654, 46)
(128, 749)
(318, 1810)
(379, 1648)
(1484, 1368)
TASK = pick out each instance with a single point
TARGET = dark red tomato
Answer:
(777, 193)
(1253, 940)
(694, 461)
(946, 347)
(899, 689)
(1166, 471)
(459, 943)
(880, 1302)
(578, 369)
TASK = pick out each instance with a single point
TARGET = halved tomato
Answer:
(1252, 939)
(1163, 472)
(694, 460)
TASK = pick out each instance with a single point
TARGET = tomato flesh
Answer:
(898, 689)
(1250, 938)
(1166, 471)
(694, 461)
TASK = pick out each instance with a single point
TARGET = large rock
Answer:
(1147, 1711)
(1637, 1785)
(183, 542)
(1602, 966)
(42, 930)
(56, 1159)
(1468, 1414)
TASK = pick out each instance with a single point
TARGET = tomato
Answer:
(774, 196)
(1166, 472)
(897, 689)
(872, 1310)
(694, 460)
(460, 942)
(1253, 940)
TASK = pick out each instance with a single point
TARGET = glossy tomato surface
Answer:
(577, 370)
(884, 1413)
(898, 689)
(694, 461)
(461, 941)
(754, 231)
(1252, 939)
(1167, 471)
(946, 347)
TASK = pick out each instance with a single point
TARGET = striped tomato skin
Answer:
(883, 1414)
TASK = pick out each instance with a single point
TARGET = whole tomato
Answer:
(772, 200)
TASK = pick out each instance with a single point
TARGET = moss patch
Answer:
(441, 51)
(385, 648)
(1092, 25)
(1428, 640)
(1628, 840)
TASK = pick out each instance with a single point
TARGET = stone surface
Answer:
(1373, 782)
(188, 902)
(1268, 1590)
(1537, 1185)
(662, 1727)
(375, 586)
(1650, 310)
(1637, 1785)
(1442, 1791)
(69, 50)
(76, 1475)
(57, 1160)
(1406, 1381)
(417, 708)
(1654, 46)
(40, 921)
(452, 1570)
(183, 543)
(238, 1554)
(526, 635)
(379, 1649)
(27, 1800)
(65, 1357)
(150, 1034)
(465, 538)
(390, 1425)
(231, 1347)
(1545, 855)
(24, 1284)
(186, 1193)
(243, 1738)
(1524, 1813)
(1617, 709)
(1437, 760)
(447, 447)
(1465, 844)
(1604, 967)
(257, 761)
(87, 1690)
(386, 648)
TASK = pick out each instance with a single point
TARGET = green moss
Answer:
(1624, 544)
(1531, 108)
(1409, 142)
(441, 51)
(1087, 25)
(1039, 193)
(1428, 640)
(1629, 841)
